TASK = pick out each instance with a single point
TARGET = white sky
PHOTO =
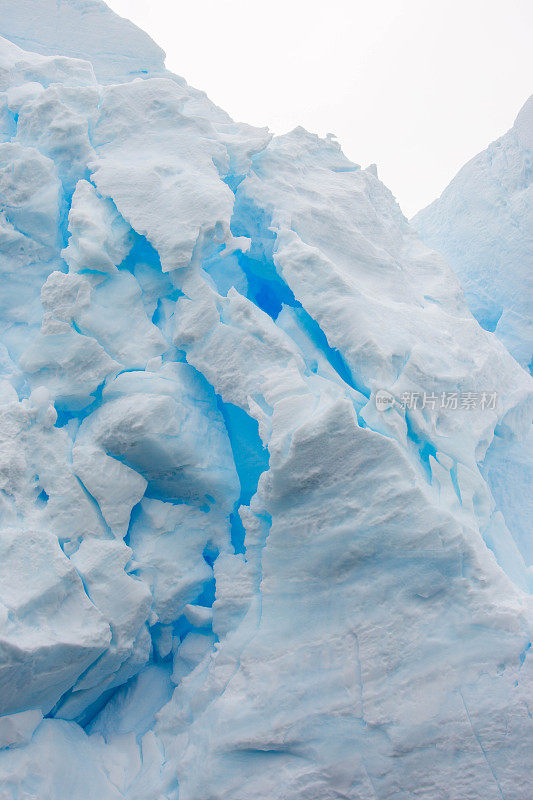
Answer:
(417, 86)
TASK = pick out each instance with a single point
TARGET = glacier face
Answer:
(227, 570)
(483, 223)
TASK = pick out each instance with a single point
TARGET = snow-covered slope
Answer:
(483, 223)
(85, 29)
(247, 550)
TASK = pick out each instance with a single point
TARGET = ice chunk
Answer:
(70, 365)
(176, 193)
(100, 239)
(124, 603)
(51, 632)
(134, 707)
(190, 653)
(19, 66)
(167, 427)
(17, 729)
(61, 761)
(168, 542)
(30, 192)
(111, 312)
(115, 487)
(56, 121)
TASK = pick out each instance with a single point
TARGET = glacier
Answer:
(228, 570)
(483, 224)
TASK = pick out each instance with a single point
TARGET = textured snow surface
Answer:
(84, 29)
(225, 574)
(483, 223)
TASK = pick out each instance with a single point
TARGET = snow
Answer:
(17, 729)
(82, 29)
(226, 571)
(51, 632)
(482, 223)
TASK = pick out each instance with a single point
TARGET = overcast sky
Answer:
(417, 86)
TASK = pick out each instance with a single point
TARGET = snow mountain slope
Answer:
(88, 30)
(483, 224)
(230, 571)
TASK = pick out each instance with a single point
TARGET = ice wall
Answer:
(483, 223)
(229, 570)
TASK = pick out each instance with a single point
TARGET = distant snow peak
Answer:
(482, 223)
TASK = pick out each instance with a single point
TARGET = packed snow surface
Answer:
(247, 551)
(483, 223)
